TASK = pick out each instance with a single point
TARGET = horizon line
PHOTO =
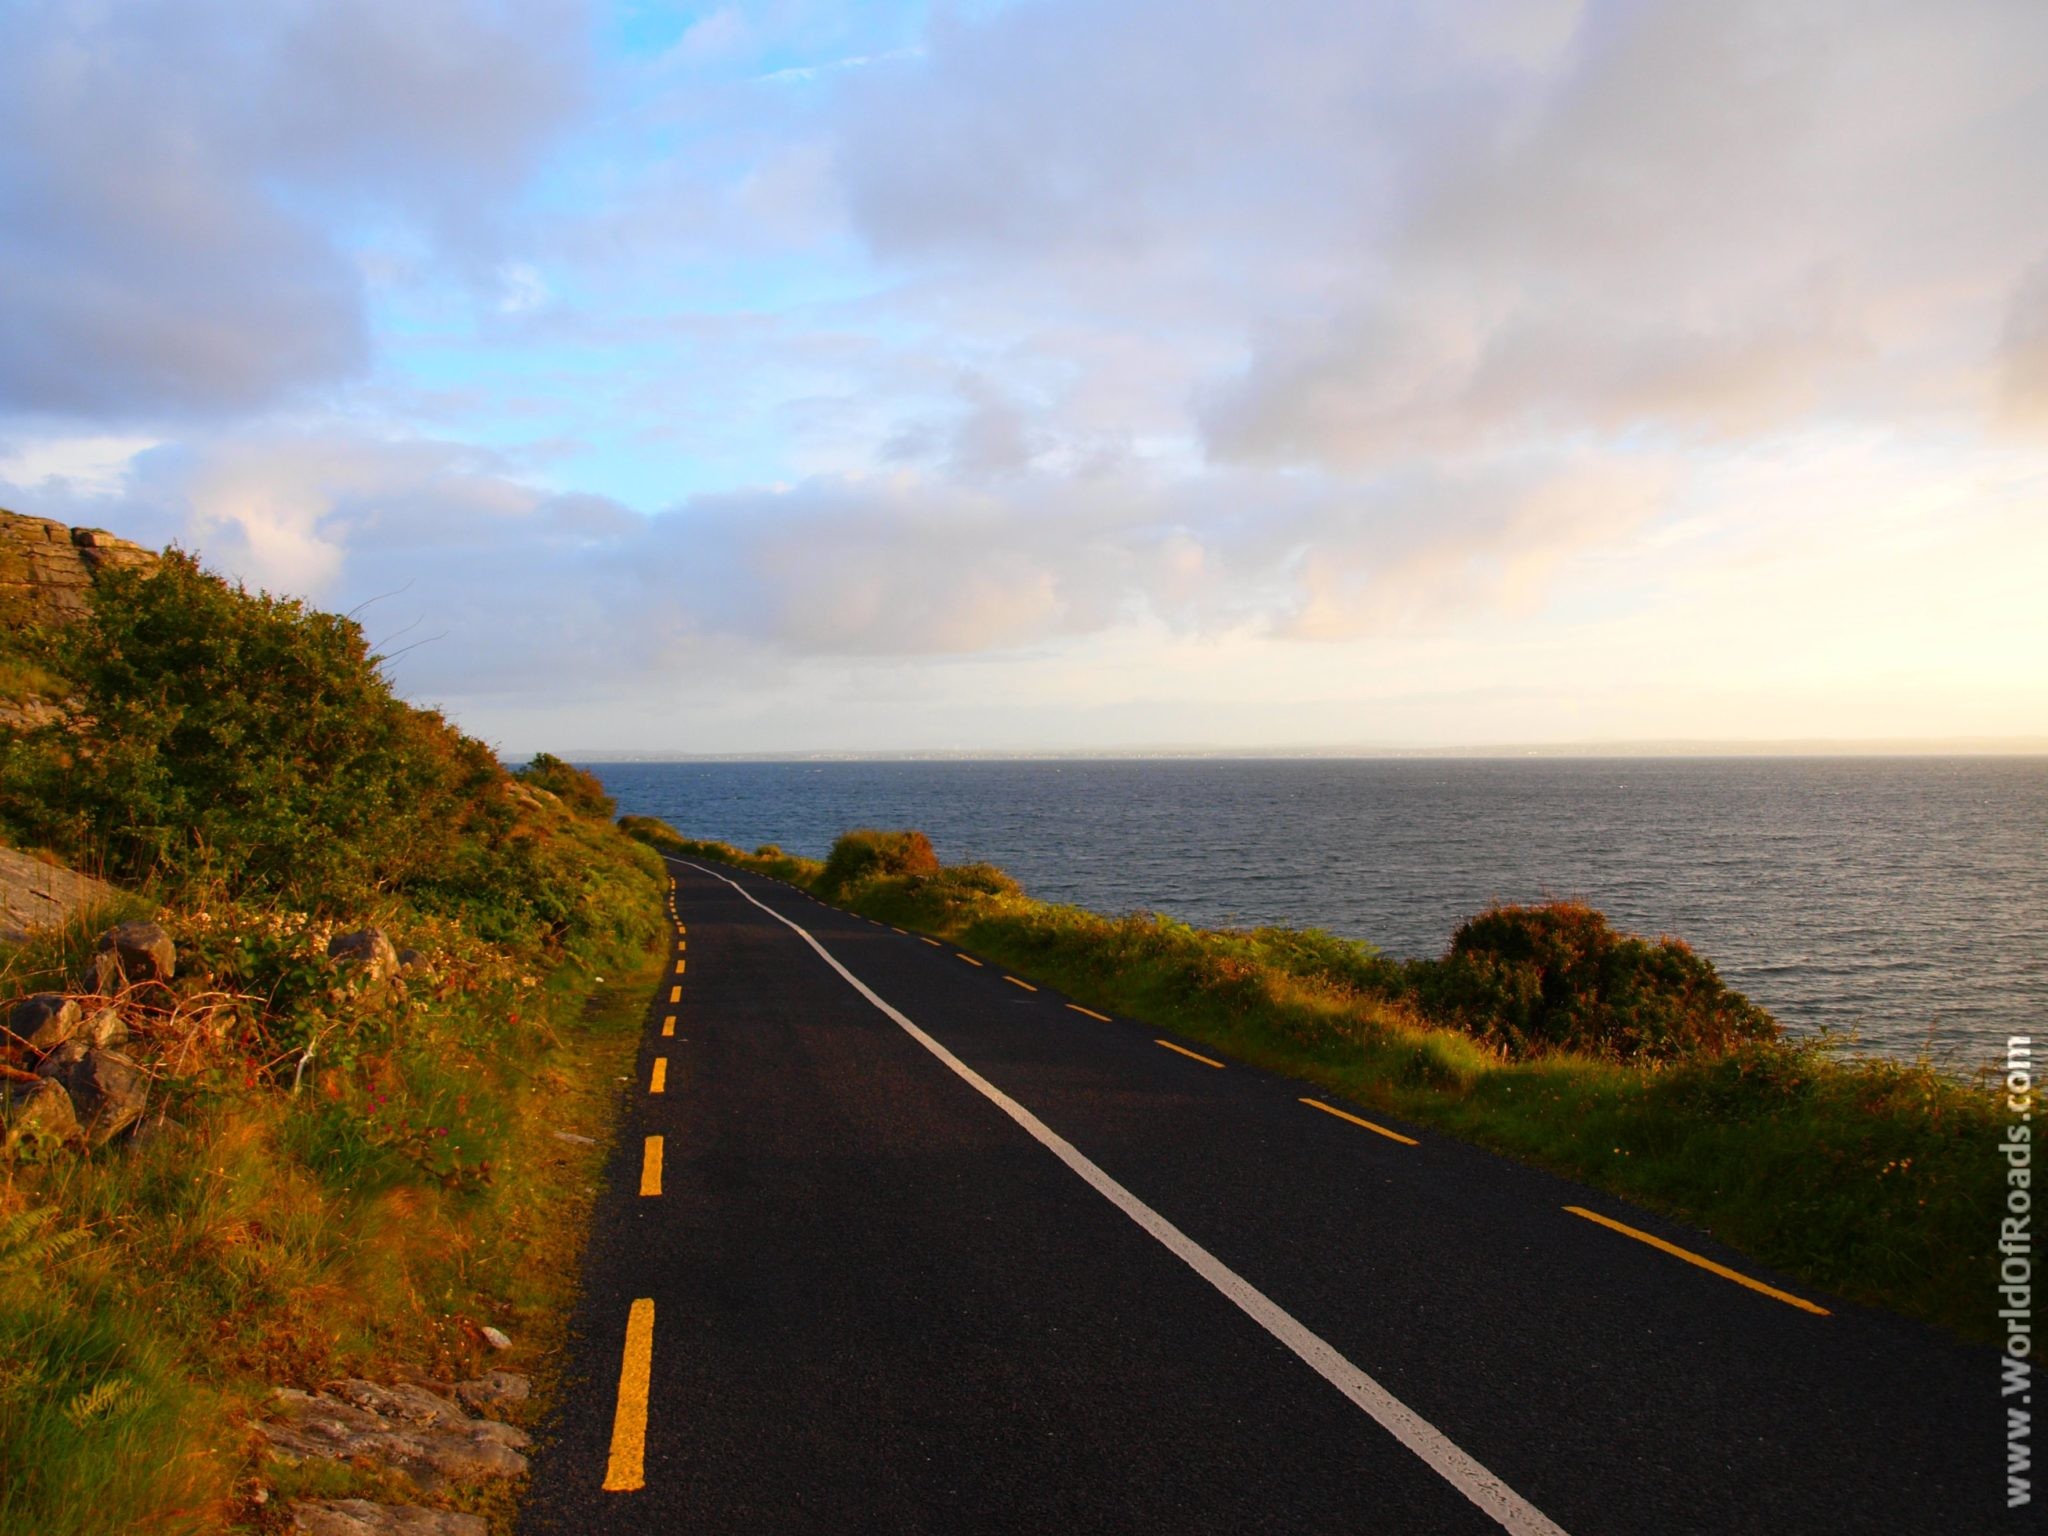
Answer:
(1670, 747)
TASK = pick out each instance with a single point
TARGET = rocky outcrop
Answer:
(47, 569)
(491, 1389)
(34, 894)
(360, 1517)
(429, 1437)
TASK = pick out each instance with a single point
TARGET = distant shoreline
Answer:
(1960, 747)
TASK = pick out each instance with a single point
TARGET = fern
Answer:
(114, 1396)
(26, 1240)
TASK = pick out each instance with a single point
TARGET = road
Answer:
(901, 1244)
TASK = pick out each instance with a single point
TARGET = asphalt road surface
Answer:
(894, 1243)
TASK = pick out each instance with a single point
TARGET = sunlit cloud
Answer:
(787, 374)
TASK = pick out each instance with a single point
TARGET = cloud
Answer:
(1463, 229)
(183, 183)
(1714, 223)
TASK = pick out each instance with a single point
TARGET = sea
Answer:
(1900, 904)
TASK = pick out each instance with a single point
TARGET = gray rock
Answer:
(327, 1427)
(360, 1517)
(105, 1028)
(495, 1337)
(36, 1116)
(155, 1128)
(403, 1402)
(45, 1020)
(62, 1058)
(108, 1090)
(492, 1388)
(131, 953)
(35, 893)
(368, 948)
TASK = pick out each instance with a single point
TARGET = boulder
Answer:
(108, 1090)
(361, 1517)
(37, 1115)
(45, 1021)
(491, 1389)
(131, 953)
(368, 948)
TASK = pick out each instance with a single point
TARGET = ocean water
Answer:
(1902, 899)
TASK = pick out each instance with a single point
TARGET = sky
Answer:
(1064, 374)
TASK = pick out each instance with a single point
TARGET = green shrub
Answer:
(578, 788)
(868, 854)
(241, 738)
(1560, 977)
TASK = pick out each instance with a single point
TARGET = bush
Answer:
(238, 737)
(868, 854)
(579, 789)
(1559, 977)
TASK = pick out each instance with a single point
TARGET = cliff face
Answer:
(46, 569)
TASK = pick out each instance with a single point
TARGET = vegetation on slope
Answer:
(1542, 1033)
(341, 1172)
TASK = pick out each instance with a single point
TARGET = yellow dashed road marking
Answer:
(1191, 1056)
(1406, 1141)
(1090, 1012)
(1701, 1260)
(968, 958)
(659, 1083)
(668, 1025)
(675, 994)
(626, 1468)
(650, 1167)
(1013, 981)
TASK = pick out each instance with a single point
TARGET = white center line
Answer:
(1508, 1508)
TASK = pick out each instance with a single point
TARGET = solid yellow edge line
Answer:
(659, 1083)
(650, 1167)
(1406, 1141)
(1205, 1061)
(668, 1025)
(968, 958)
(1090, 1012)
(1702, 1261)
(1013, 981)
(626, 1468)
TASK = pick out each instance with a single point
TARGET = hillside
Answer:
(310, 1010)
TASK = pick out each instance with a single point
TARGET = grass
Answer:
(1869, 1179)
(342, 1173)
(152, 1294)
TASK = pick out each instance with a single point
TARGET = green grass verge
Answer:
(1871, 1179)
(151, 1294)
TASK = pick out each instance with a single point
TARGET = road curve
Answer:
(898, 1241)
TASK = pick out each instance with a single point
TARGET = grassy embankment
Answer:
(340, 1174)
(1542, 1034)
